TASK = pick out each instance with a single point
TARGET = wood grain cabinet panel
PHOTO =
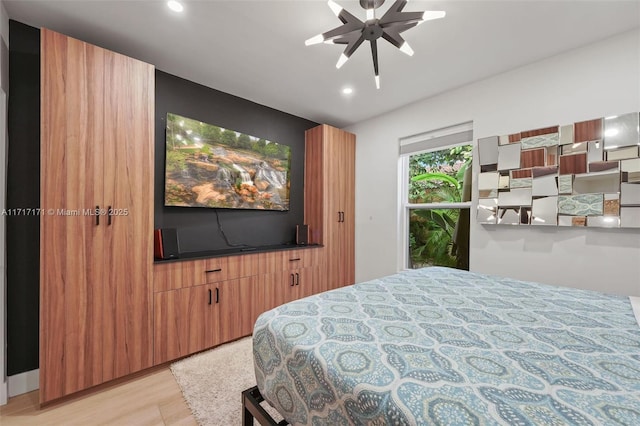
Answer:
(286, 286)
(176, 275)
(71, 304)
(330, 201)
(284, 260)
(185, 321)
(180, 274)
(97, 153)
(240, 301)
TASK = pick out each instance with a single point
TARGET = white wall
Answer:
(4, 78)
(598, 80)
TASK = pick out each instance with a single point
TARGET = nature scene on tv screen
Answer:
(209, 166)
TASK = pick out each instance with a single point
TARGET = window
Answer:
(436, 197)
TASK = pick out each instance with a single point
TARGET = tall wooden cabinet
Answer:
(330, 201)
(96, 247)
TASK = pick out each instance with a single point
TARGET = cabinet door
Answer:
(279, 287)
(128, 178)
(239, 301)
(305, 282)
(71, 255)
(186, 321)
(347, 202)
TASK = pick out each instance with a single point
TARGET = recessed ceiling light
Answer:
(347, 91)
(175, 5)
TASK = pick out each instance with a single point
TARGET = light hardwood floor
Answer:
(151, 399)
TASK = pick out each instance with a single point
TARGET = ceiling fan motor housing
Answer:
(372, 30)
(371, 4)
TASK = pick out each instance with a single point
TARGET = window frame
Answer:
(404, 206)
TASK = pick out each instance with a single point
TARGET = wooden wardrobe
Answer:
(96, 247)
(330, 201)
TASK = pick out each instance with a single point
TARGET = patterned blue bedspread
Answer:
(443, 346)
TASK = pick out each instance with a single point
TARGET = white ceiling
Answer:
(255, 49)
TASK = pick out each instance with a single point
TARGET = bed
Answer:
(444, 346)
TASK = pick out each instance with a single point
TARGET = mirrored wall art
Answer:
(621, 130)
(487, 210)
(544, 211)
(509, 216)
(630, 217)
(509, 156)
(488, 151)
(581, 174)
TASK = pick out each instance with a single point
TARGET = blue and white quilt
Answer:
(448, 347)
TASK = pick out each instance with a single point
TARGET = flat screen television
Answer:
(210, 166)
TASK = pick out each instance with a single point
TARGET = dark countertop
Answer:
(232, 251)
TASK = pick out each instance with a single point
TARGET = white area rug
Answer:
(212, 382)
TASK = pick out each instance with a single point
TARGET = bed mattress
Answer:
(443, 346)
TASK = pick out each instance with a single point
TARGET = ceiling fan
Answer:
(354, 32)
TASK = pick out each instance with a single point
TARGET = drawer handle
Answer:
(213, 270)
(294, 259)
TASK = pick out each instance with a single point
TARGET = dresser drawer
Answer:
(285, 260)
(175, 275)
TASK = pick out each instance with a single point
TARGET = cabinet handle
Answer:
(293, 282)
(97, 212)
(209, 296)
(213, 270)
(295, 259)
(297, 278)
(109, 216)
(217, 295)
(339, 217)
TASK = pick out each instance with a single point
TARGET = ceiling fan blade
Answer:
(396, 15)
(350, 24)
(354, 43)
(342, 31)
(374, 55)
(399, 27)
(402, 17)
(348, 18)
(393, 37)
(397, 6)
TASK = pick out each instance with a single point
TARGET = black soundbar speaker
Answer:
(302, 235)
(165, 243)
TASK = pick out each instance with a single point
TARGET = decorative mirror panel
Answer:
(580, 174)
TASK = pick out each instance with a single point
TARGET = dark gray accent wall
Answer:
(23, 191)
(197, 227)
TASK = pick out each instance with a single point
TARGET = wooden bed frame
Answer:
(251, 409)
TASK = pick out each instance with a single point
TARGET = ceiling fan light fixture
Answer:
(405, 48)
(335, 7)
(314, 40)
(371, 14)
(430, 15)
(353, 31)
(343, 58)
